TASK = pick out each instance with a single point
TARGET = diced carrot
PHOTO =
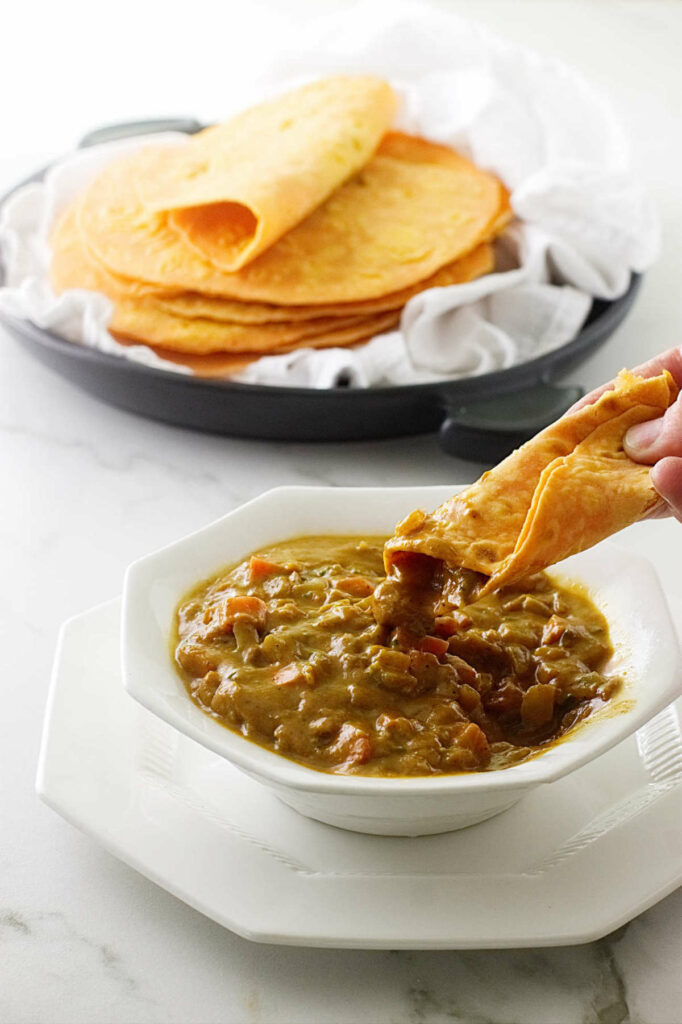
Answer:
(553, 630)
(259, 568)
(252, 609)
(433, 645)
(357, 586)
(354, 745)
(446, 625)
(294, 675)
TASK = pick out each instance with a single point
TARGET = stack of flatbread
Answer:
(302, 222)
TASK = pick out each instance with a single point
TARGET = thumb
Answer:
(648, 442)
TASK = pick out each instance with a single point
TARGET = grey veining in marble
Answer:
(87, 979)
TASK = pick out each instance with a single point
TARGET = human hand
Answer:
(658, 443)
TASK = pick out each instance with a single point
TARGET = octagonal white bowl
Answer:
(624, 587)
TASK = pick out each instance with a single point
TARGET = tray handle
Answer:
(128, 129)
(488, 431)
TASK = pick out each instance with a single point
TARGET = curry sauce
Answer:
(306, 649)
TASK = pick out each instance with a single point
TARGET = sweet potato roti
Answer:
(567, 488)
(305, 221)
(404, 216)
(238, 187)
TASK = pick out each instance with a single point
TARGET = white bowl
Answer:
(625, 587)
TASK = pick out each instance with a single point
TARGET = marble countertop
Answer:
(87, 489)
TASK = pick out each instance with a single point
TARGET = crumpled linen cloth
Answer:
(584, 223)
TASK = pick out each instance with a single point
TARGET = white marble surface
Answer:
(86, 489)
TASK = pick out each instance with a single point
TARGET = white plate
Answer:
(569, 863)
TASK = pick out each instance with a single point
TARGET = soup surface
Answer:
(307, 650)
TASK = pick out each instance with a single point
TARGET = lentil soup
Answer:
(307, 649)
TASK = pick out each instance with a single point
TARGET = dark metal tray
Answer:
(481, 418)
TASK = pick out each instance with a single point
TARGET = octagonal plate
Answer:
(569, 863)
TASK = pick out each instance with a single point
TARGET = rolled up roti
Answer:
(567, 488)
(236, 188)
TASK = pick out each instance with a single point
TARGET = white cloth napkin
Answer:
(584, 223)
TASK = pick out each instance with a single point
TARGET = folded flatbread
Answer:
(563, 491)
(414, 208)
(235, 188)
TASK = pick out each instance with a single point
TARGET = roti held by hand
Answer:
(563, 491)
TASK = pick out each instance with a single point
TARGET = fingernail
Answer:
(642, 436)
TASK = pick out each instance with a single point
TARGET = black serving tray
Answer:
(481, 418)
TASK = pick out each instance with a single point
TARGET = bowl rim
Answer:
(597, 735)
